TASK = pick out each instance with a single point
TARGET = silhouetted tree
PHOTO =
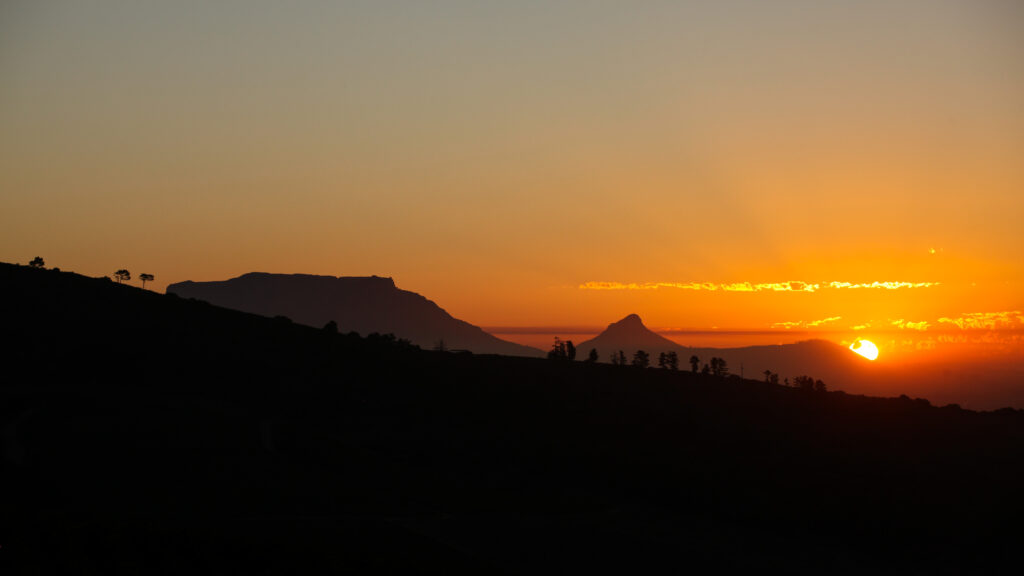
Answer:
(37, 262)
(592, 357)
(719, 367)
(641, 359)
(694, 363)
(663, 360)
(331, 327)
(145, 278)
(672, 361)
(706, 370)
(767, 376)
(805, 383)
(122, 275)
(774, 379)
(819, 386)
(558, 350)
(570, 350)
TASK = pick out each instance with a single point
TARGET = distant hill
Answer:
(629, 335)
(358, 304)
(828, 361)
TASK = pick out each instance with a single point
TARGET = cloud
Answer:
(1012, 319)
(907, 325)
(808, 324)
(824, 321)
(883, 285)
(791, 286)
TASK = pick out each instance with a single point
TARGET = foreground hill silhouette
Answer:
(144, 433)
(357, 304)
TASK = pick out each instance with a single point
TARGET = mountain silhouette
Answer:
(628, 335)
(357, 304)
(828, 361)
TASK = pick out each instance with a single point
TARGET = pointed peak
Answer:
(629, 321)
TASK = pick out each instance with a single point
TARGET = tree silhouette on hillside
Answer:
(719, 367)
(562, 350)
(37, 262)
(145, 278)
(593, 356)
(122, 275)
(809, 384)
(641, 359)
(694, 363)
(668, 361)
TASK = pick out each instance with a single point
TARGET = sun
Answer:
(865, 348)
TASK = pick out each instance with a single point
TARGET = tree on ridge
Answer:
(122, 275)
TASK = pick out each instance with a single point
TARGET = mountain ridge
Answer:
(818, 358)
(363, 304)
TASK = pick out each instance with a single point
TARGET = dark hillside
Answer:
(147, 433)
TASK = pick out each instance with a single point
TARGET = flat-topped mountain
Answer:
(357, 304)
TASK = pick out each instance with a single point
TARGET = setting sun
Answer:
(865, 348)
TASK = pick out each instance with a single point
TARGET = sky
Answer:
(554, 163)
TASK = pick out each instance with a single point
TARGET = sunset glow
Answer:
(803, 168)
(865, 348)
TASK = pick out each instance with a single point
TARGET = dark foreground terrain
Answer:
(144, 433)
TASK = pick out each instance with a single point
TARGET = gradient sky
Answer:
(499, 156)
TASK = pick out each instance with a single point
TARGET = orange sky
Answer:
(497, 158)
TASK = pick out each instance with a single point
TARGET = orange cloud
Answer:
(802, 324)
(907, 325)
(885, 285)
(791, 286)
(987, 320)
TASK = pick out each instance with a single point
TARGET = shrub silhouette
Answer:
(37, 262)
